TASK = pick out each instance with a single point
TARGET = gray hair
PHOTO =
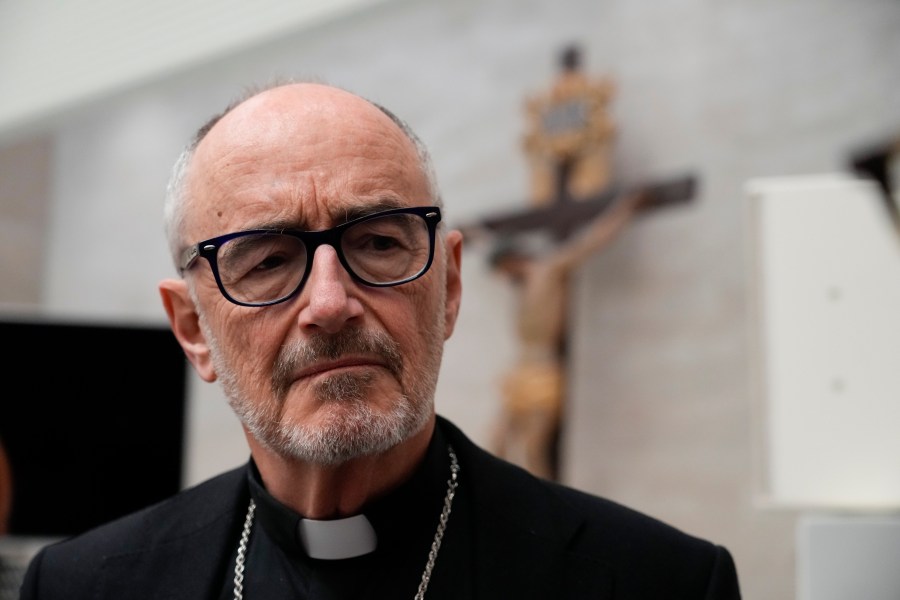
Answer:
(178, 199)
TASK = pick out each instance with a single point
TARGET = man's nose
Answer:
(329, 294)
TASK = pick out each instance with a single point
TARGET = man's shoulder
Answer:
(551, 507)
(604, 519)
(514, 498)
(593, 540)
(168, 530)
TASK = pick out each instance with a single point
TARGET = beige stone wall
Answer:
(25, 185)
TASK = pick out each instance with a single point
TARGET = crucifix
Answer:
(575, 211)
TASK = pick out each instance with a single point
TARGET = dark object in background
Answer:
(873, 162)
(92, 422)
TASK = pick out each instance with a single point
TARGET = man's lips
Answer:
(343, 363)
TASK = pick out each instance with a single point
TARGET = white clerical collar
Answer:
(337, 539)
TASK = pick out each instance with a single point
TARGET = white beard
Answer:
(352, 427)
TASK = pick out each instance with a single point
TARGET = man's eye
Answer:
(383, 242)
(270, 262)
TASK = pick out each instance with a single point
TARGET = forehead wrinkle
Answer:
(378, 204)
(338, 215)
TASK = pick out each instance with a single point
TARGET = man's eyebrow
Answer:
(279, 225)
(341, 215)
(361, 210)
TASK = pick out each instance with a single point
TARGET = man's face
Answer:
(341, 369)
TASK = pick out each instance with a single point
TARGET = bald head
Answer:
(288, 120)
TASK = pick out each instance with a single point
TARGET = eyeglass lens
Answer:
(382, 250)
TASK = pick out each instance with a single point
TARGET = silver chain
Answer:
(452, 484)
(242, 553)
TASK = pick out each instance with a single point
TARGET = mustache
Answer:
(301, 354)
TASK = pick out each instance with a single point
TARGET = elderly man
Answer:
(318, 286)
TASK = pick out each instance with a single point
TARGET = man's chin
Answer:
(342, 431)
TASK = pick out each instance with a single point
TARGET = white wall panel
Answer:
(827, 285)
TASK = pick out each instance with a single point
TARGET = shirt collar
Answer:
(397, 519)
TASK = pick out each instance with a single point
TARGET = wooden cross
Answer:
(562, 218)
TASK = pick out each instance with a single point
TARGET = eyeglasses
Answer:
(260, 267)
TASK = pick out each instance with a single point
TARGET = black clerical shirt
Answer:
(405, 521)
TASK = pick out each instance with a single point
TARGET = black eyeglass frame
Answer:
(209, 249)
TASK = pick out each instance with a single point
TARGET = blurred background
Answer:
(667, 411)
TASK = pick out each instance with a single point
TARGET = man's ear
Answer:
(185, 323)
(453, 248)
